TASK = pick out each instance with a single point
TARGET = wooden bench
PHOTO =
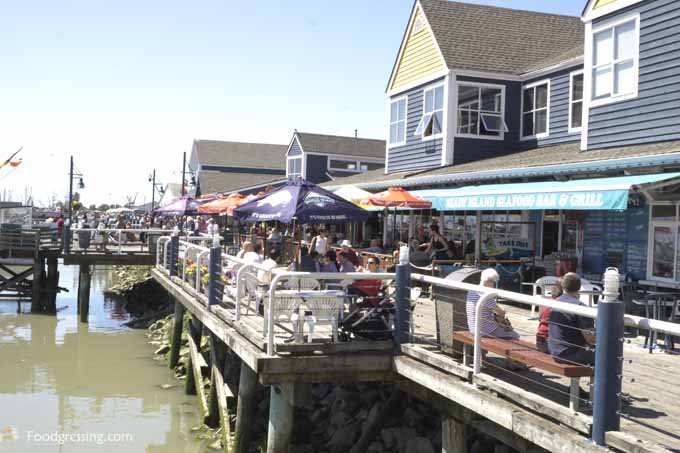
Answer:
(526, 353)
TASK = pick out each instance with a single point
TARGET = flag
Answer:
(16, 163)
(9, 160)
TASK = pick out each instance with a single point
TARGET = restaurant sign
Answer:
(586, 200)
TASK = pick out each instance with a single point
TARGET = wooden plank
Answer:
(536, 403)
(197, 363)
(248, 352)
(220, 387)
(334, 348)
(431, 356)
(631, 444)
(544, 433)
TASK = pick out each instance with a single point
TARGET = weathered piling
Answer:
(245, 409)
(52, 285)
(38, 271)
(454, 436)
(281, 403)
(176, 339)
(84, 280)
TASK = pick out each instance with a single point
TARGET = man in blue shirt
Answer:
(570, 337)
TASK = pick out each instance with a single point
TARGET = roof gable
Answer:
(491, 39)
(419, 54)
(340, 145)
(238, 154)
(599, 8)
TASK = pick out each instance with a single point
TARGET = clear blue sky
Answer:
(126, 85)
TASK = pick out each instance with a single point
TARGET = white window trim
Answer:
(500, 137)
(636, 61)
(675, 225)
(389, 120)
(357, 162)
(573, 130)
(441, 133)
(302, 165)
(547, 112)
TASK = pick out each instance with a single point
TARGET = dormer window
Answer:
(430, 125)
(294, 168)
(481, 110)
(615, 61)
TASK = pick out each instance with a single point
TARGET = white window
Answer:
(398, 122)
(535, 109)
(615, 61)
(664, 253)
(431, 123)
(575, 101)
(480, 110)
(294, 169)
(342, 165)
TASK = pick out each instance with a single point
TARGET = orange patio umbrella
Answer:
(396, 197)
(223, 205)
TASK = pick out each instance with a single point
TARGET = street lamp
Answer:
(81, 185)
(161, 190)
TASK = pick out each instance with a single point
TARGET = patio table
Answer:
(660, 291)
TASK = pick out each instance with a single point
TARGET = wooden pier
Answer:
(522, 418)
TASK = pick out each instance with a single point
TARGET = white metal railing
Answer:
(116, 233)
(162, 247)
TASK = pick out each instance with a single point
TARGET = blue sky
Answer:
(125, 86)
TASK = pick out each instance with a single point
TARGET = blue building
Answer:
(540, 134)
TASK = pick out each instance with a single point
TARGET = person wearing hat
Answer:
(346, 247)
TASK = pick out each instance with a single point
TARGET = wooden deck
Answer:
(316, 362)
(651, 411)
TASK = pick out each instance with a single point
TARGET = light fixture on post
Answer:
(81, 185)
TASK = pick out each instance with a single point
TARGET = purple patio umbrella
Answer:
(304, 201)
(183, 206)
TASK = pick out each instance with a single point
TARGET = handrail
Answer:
(280, 275)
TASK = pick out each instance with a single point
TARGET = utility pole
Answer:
(70, 192)
(184, 166)
(153, 189)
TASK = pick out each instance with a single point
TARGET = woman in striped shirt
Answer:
(491, 312)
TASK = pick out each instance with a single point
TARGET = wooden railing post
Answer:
(215, 273)
(403, 300)
(608, 360)
(174, 252)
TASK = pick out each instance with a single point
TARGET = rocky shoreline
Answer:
(333, 418)
(144, 299)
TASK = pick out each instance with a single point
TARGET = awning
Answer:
(581, 194)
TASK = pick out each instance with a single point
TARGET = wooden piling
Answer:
(176, 340)
(218, 406)
(280, 431)
(195, 363)
(375, 425)
(454, 436)
(38, 269)
(245, 409)
(84, 279)
(52, 285)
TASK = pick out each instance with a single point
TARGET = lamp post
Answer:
(184, 166)
(161, 191)
(81, 185)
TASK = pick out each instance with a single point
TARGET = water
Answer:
(66, 386)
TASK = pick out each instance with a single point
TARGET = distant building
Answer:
(227, 167)
(320, 157)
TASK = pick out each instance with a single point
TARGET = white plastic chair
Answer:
(545, 284)
(286, 309)
(324, 310)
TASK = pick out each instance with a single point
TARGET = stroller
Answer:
(371, 316)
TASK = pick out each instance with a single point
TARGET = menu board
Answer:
(616, 238)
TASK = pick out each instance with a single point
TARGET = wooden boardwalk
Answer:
(651, 411)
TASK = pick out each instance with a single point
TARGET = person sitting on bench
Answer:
(493, 320)
(544, 322)
(570, 336)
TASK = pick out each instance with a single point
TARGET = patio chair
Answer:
(286, 309)
(323, 310)
(545, 284)
(303, 284)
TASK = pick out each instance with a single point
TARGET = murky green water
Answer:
(66, 386)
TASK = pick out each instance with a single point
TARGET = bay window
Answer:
(535, 109)
(398, 122)
(432, 121)
(481, 110)
(615, 61)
